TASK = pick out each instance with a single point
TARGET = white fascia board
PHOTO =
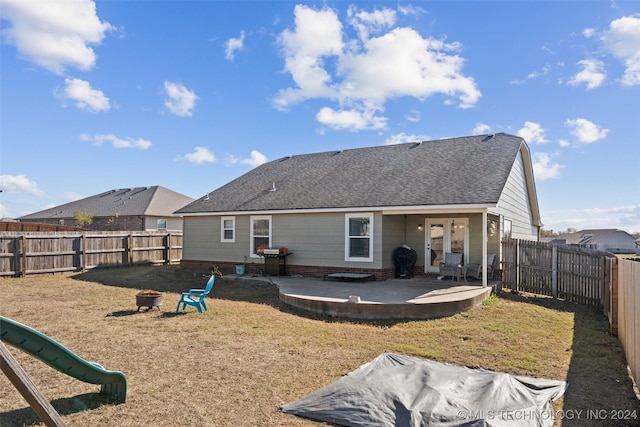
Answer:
(386, 210)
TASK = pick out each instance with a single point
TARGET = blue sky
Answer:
(192, 94)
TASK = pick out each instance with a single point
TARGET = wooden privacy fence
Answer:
(625, 311)
(565, 272)
(582, 276)
(30, 253)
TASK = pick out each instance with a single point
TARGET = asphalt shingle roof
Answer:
(144, 201)
(455, 171)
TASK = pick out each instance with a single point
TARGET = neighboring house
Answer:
(128, 209)
(609, 240)
(347, 210)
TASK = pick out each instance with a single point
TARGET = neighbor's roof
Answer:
(590, 237)
(457, 171)
(144, 201)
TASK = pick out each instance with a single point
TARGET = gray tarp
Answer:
(397, 390)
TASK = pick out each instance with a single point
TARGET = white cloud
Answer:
(362, 74)
(117, 142)
(54, 34)
(623, 217)
(592, 74)
(181, 101)
(19, 184)
(413, 116)
(533, 133)
(585, 130)
(534, 75)
(481, 129)
(350, 119)
(86, 98)
(401, 138)
(71, 196)
(543, 169)
(622, 40)
(256, 159)
(200, 155)
(374, 22)
(588, 32)
(233, 45)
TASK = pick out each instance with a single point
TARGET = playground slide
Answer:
(59, 357)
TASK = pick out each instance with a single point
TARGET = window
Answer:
(162, 224)
(228, 229)
(358, 237)
(260, 233)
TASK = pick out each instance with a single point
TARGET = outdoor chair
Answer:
(196, 297)
(475, 270)
(452, 266)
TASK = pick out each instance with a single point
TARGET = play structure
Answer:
(57, 356)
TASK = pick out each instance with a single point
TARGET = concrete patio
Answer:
(415, 298)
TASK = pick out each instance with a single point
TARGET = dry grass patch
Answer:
(249, 354)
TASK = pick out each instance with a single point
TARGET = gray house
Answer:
(126, 209)
(348, 210)
(608, 240)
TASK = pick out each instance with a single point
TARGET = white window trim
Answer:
(222, 229)
(165, 224)
(347, 217)
(252, 249)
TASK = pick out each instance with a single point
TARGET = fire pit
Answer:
(149, 298)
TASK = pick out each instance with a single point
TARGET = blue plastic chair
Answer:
(196, 297)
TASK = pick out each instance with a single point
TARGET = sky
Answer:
(189, 95)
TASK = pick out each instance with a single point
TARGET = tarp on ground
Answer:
(398, 390)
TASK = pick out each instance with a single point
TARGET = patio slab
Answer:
(415, 298)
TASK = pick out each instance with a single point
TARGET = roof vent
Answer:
(273, 187)
(337, 152)
(416, 145)
(488, 137)
(284, 159)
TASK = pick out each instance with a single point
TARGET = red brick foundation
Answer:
(257, 268)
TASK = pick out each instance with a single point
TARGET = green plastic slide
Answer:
(59, 357)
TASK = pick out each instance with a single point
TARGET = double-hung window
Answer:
(358, 245)
(161, 224)
(228, 229)
(260, 233)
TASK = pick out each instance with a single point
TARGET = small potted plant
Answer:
(148, 298)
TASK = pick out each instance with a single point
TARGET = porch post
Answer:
(484, 248)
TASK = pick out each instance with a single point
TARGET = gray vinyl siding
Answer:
(514, 203)
(313, 239)
(393, 235)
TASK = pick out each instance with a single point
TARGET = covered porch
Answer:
(432, 233)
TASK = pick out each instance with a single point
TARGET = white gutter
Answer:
(397, 210)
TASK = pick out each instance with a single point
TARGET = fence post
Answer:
(613, 310)
(554, 271)
(169, 240)
(83, 253)
(516, 249)
(23, 261)
(130, 249)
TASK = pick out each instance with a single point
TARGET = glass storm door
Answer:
(445, 235)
